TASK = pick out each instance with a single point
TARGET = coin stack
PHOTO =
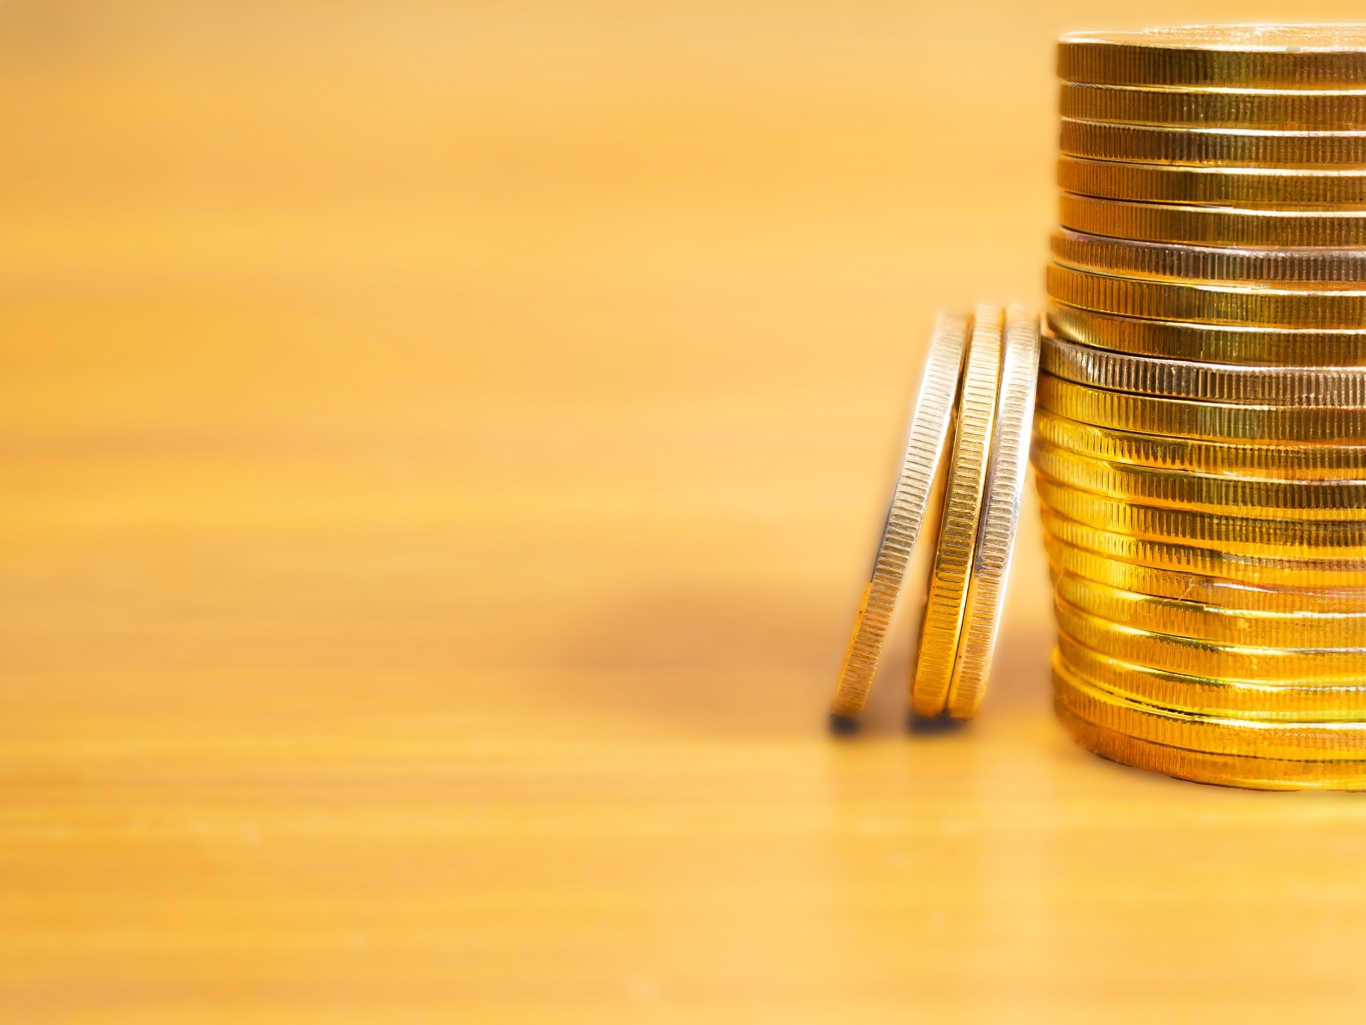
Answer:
(1200, 436)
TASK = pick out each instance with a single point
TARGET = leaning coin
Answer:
(1205, 590)
(1309, 741)
(1214, 225)
(1200, 558)
(930, 428)
(1184, 489)
(996, 536)
(1222, 769)
(1212, 146)
(947, 595)
(1291, 268)
(1221, 303)
(1213, 421)
(1298, 109)
(1222, 56)
(1308, 462)
(1220, 186)
(1242, 627)
(1213, 382)
(1210, 343)
(1315, 700)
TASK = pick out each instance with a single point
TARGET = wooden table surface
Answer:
(440, 451)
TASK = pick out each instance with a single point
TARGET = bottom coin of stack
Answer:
(1208, 561)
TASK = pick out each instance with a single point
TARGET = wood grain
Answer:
(440, 451)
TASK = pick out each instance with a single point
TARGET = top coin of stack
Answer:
(1200, 442)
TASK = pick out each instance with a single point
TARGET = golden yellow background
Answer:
(440, 451)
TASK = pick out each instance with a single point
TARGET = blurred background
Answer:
(441, 448)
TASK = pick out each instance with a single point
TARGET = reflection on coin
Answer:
(927, 439)
(1285, 110)
(1219, 186)
(1225, 147)
(1214, 225)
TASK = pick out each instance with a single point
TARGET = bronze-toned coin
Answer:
(1216, 186)
(1209, 343)
(1285, 110)
(1214, 225)
(1220, 56)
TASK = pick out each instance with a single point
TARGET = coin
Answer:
(1183, 617)
(1309, 741)
(1227, 147)
(1195, 587)
(1187, 418)
(1221, 769)
(1222, 56)
(1299, 109)
(1292, 268)
(1179, 557)
(1184, 489)
(954, 555)
(1222, 303)
(1208, 343)
(925, 444)
(1145, 375)
(1311, 700)
(1214, 225)
(1001, 515)
(1220, 186)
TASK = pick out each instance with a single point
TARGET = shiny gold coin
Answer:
(1212, 382)
(1214, 225)
(1001, 515)
(1220, 769)
(1291, 268)
(1184, 489)
(1320, 461)
(1286, 110)
(1097, 140)
(1279, 701)
(1183, 617)
(1187, 418)
(948, 591)
(925, 444)
(1307, 741)
(1223, 303)
(1218, 186)
(1192, 657)
(1258, 570)
(1251, 346)
(1236, 535)
(1204, 590)
(1222, 56)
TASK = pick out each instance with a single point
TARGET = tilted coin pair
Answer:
(1199, 442)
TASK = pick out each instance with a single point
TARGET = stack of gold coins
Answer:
(1200, 436)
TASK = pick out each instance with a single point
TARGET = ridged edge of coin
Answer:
(1165, 144)
(1213, 225)
(926, 441)
(1215, 108)
(1188, 184)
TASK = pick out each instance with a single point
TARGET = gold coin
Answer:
(1000, 517)
(1250, 699)
(947, 596)
(1190, 656)
(1218, 186)
(1183, 617)
(1223, 303)
(1236, 535)
(1184, 489)
(1321, 461)
(1307, 741)
(1213, 225)
(1187, 418)
(1293, 268)
(1292, 110)
(1221, 56)
(1179, 145)
(1212, 382)
(925, 444)
(1209, 343)
(1259, 570)
(1220, 769)
(1204, 590)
